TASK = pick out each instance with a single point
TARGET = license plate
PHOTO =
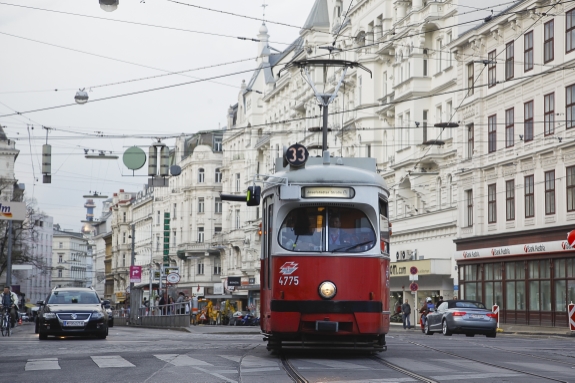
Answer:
(73, 323)
(477, 316)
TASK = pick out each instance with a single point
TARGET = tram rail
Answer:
(487, 363)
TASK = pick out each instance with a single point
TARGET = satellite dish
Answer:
(175, 170)
(134, 158)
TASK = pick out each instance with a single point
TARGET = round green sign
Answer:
(134, 158)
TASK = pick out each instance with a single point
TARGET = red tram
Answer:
(325, 253)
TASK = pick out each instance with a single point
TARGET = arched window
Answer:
(439, 194)
(201, 175)
(449, 191)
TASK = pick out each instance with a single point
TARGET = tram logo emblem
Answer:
(288, 268)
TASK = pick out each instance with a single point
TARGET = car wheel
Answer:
(111, 323)
(36, 328)
(470, 335)
(426, 330)
(42, 335)
(445, 330)
(492, 335)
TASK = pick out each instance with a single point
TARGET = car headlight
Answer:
(327, 290)
(97, 315)
(49, 316)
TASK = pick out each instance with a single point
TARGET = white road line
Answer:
(42, 364)
(182, 360)
(111, 361)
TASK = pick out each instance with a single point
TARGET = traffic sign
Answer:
(495, 310)
(413, 270)
(173, 278)
(571, 238)
(571, 316)
(413, 287)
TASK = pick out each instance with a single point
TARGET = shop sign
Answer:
(515, 250)
(404, 269)
(252, 281)
(218, 288)
(234, 281)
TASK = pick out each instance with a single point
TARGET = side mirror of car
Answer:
(40, 303)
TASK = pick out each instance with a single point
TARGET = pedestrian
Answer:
(440, 301)
(180, 301)
(162, 304)
(170, 306)
(406, 310)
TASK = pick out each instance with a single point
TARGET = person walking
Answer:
(179, 303)
(406, 310)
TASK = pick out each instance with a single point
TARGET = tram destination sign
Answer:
(327, 192)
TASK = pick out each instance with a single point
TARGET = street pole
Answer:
(9, 257)
(325, 115)
(133, 308)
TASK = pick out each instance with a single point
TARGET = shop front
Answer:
(416, 280)
(531, 282)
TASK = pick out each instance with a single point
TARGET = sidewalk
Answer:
(516, 329)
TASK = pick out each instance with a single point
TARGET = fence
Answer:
(170, 315)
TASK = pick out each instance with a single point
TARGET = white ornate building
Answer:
(516, 172)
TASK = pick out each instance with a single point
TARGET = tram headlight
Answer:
(327, 290)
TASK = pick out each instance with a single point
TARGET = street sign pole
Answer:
(133, 308)
(9, 256)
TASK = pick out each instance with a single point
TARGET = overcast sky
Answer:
(44, 51)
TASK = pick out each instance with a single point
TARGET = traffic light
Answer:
(254, 195)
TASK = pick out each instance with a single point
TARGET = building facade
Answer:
(69, 259)
(517, 173)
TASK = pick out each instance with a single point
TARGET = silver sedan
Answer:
(462, 317)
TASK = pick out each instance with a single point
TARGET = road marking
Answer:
(215, 374)
(111, 361)
(42, 364)
(182, 360)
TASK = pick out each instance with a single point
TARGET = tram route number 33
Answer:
(288, 280)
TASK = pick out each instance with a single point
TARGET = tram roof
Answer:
(356, 171)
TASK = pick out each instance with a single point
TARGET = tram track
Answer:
(292, 372)
(297, 377)
(523, 354)
(487, 363)
(411, 374)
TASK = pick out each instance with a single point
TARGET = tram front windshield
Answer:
(321, 229)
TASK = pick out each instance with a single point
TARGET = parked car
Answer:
(110, 315)
(24, 317)
(462, 317)
(72, 311)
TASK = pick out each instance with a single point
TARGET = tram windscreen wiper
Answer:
(348, 248)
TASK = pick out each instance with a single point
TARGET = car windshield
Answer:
(470, 305)
(73, 297)
(318, 229)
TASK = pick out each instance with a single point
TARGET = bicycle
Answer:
(6, 325)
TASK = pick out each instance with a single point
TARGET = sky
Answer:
(52, 48)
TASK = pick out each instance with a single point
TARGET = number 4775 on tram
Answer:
(325, 252)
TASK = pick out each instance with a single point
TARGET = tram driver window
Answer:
(321, 229)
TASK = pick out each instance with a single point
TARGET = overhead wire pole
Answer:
(324, 99)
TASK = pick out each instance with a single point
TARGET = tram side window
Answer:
(384, 226)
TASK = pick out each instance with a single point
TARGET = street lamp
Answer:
(81, 96)
(109, 5)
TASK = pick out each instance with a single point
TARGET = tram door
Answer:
(385, 236)
(266, 261)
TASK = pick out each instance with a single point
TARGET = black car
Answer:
(73, 311)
